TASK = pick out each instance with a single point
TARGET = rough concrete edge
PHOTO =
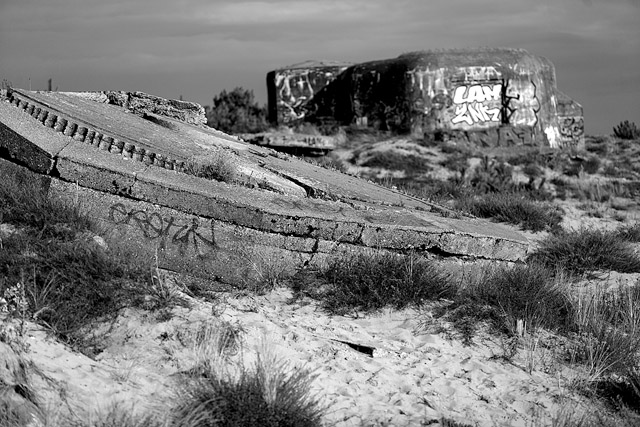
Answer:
(82, 133)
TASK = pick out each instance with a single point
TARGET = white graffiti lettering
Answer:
(477, 93)
(474, 113)
(469, 104)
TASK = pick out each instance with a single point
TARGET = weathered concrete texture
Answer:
(284, 141)
(142, 103)
(289, 88)
(215, 228)
(494, 97)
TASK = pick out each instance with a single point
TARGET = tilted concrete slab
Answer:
(127, 170)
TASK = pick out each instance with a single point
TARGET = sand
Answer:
(414, 370)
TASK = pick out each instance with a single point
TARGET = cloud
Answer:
(211, 43)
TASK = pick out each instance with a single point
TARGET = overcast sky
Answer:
(197, 48)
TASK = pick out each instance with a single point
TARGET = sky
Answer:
(197, 48)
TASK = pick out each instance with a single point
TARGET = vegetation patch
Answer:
(513, 208)
(371, 281)
(586, 250)
(525, 292)
(52, 267)
(273, 394)
(626, 130)
(218, 166)
(392, 160)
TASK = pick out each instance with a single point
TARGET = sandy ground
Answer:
(418, 373)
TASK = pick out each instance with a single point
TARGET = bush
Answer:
(587, 250)
(236, 112)
(371, 281)
(626, 130)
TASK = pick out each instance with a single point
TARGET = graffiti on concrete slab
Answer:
(155, 227)
(477, 103)
(571, 127)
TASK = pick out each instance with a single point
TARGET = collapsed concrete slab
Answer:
(486, 96)
(129, 172)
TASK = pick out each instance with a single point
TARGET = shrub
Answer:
(585, 250)
(237, 112)
(371, 281)
(626, 130)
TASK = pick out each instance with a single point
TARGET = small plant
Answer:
(587, 250)
(218, 166)
(626, 130)
(371, 281)
(211, 345)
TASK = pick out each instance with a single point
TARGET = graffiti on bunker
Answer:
(155, 227)
(477, 104)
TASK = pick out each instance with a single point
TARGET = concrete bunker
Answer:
(486, 96)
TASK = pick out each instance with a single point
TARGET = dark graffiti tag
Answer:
(183, 234)
(572, 127)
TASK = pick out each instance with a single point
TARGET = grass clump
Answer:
(608, 343)
(371, 281)
(526, 292)
(217, 166)
(586, 250)
(512, 208)
(511, 300)
(273, 394)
